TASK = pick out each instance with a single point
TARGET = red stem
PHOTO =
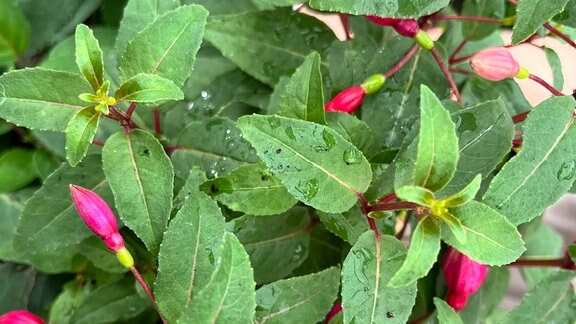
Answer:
(402, 61)
(447, 74)
(98, 143)
(560, 34)
(148, 291)
(537, 263)
(335, 310)
(457, 50)
(388, 198)
(546, 85)
(131, 109)
(157, 127)
(520, 117)
(345, 25)
(468, 18)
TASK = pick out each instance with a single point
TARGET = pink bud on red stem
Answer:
(20, 317)
(463, 277)
(347, 100)
(495, 63)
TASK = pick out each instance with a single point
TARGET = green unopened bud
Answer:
(424, 40)
(125, 258)
(523, 73)
(373, 83)
(509, 21)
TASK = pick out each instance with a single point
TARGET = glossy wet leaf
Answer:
(80, 134)
(367, 270)
(89, 56)
(544, 169)
(382, 8)
(14, 32)
(251, 189)
(186, 258)
(142, 179)
(148, 88)
(308, 297)
(229, 296)
(445, 313)
(531, 14)
(314, 162)
(41, 99)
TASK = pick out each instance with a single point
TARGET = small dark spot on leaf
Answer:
(266, 152)
(214, 189)
(278, 151)
(264, 178)
(389, 314)
(146, 152)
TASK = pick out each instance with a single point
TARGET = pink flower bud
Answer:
(383, 21)
(407, 27)
(20, 317)
(463, 277)
(495, 63)
(98, 216)
(347, 100)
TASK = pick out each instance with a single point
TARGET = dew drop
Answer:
(352, 156)
(290, 133)
(308, 189)
(274, 122)
(566, 171)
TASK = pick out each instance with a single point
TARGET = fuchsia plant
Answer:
(20, 317)
(463, 276)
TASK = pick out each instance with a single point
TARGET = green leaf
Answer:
(314, 162)
(167, 46)
(16, 283)
(41, 99)
(551, 301)
(382, 8)
(437, 144)
(486, 300)
(303, 96)
(142, 179)
(16, 169)
(10, 214)
(455, 226)
(477, 90)
(348, 225)
(352, 129)
(213, 144)
(367, 270)
(490, 238)
(542, 242)
(49, 220)
(229, 296)
(67, 302)
(422, 254)
(113, 302)
(137, 15)
(251, 189)
(545, 167)
(280, 51)
(14, 32)
(465, 195)
(229, 8)
(446, 314)
(415, 194)
(80, 133)
(95, 251)
(572, 252)
(89, 57)
(532, 14)
(325, 250)
(308, 297)
(277, 245)
(183, 272)
(44, 164)
(148, 88)
(556, 66)
(475, 30)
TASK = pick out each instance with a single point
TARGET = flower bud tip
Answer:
(20, 317)
(495, 64)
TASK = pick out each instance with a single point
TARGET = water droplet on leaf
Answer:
(566, 171)
(352, 156)
(308, 189)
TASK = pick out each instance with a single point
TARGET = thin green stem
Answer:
(148, 292)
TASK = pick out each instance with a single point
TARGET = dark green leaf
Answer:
(14, 32)
(572, 252)
(16, 169)
(10, 212)
(477, 90)
(532, 14)
(70, 298)
(314, 162)
(142, 179)
(41, 99)
(556, 66)
(166, 47)
(148, 88)
(303, 95)
(80, 134)
(186, 258)
(89, 57)
(93, 249)
(251, 189)
(277, 245)
(474, 30)
(280, 50)
(382, 8)
(229, 7)
(422, 254)
(446, 314)
(367, 270)
(486, 300)
(44, 164)
(545, 167)
(352, 129)
(348, 225)
(16, 283)
(292, 300)
(229, 296)
(542, 242)
(490, 238)
(325, 250)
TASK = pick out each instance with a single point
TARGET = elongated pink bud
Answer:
(20, 317)
(347, 100)
(382, 21)
(494, 63)
(407, 27)
(98, 216)
(463, 276)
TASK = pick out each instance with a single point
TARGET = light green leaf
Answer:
(16, 169)
(551, 301)
(366, 296)
(475, 30)
(183, 272)
(437, 144)
(532, 14)
(241, 37)
(455, 226)
(229, 296)
(415, 194)
(166, 47)
(314, 162)
(50, 214)
(89, 57)
(382, 8)
(545, 167)
(556, 66)
(465, 195)
(422, 254)
(41, 99)
(251, 189)
(142, 179)
(148, 88)
(80, 133)
(303, 95)
(14, 32)
(72, 295)
(490, 238)
(308, 297)
(446, 314)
